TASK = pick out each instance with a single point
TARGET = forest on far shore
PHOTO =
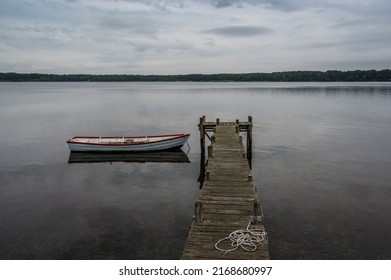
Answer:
(287, 76)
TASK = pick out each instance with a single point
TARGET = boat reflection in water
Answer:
(162, 156)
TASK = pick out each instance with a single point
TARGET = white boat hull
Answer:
(127, 144)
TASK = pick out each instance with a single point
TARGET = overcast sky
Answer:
(200, 36)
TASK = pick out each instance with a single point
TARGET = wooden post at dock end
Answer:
(250, 140)
(210, 151)
(198, 212)
(257, 212)
(202, 133)
(202, 144)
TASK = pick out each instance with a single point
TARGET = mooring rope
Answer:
(248, 239)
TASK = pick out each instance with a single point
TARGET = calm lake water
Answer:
(321, 162)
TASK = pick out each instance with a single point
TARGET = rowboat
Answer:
(127, 143)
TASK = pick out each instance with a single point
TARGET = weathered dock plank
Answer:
(228, 201)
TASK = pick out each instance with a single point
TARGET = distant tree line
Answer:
(288, 76)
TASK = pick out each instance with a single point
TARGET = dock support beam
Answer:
(250, 140)
(202, 144)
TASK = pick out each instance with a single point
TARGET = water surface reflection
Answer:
(321, 161)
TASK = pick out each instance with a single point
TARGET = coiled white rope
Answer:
(248, 239)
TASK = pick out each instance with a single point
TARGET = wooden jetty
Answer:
(228, 211)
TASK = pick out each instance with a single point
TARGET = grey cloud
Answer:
(283, 5)
(158, 35)
(160, 4)
(223, 3)
(350, 23)
(32, 38)
(295, 5)
(239, 31)
(135, 25)
(369, 41)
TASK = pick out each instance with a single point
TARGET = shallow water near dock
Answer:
(321, 163)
